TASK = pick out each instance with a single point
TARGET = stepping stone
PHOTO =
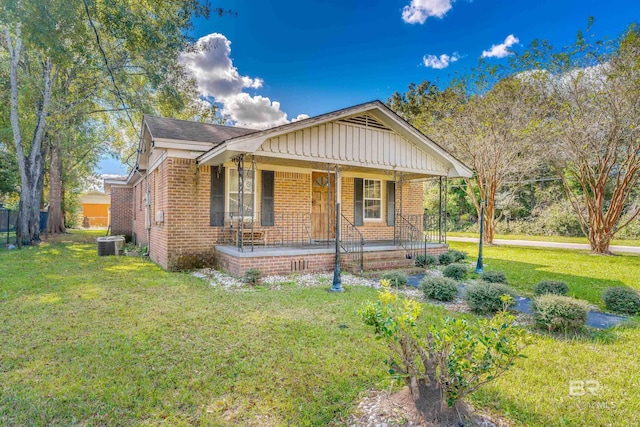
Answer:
(595, 319)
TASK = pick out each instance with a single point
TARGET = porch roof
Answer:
(369, 136)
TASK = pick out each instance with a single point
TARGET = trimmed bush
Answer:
(427, 261)
(458, 255)
(446, 258)
(485, 297)
(493, 277)
(396, 278)
(550, 287)
(455, 271)
(253, 276)
(559, 313)
(439, 288)
(622, 300)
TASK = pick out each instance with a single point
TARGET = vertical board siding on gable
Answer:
(353, 143)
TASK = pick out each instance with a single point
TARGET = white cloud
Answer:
(419, 10)
(211, 65)
(501, 50)
(439, 62)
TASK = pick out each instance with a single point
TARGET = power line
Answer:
(106, 63)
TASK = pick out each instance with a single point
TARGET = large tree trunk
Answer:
(55, 220)
(32, 166)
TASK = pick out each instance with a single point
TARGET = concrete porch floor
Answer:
(309, 249)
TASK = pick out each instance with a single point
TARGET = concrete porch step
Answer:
(380, 264)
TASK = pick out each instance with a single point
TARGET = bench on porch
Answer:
(249, 237)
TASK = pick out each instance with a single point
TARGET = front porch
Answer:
(320, 257)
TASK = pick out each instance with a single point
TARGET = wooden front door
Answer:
(321, 227)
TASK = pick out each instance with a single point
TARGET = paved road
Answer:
(539, 244)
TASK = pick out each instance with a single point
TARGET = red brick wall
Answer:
(191, 239)
(315, 263)
(275, 265)
(412, 204)
(186, 240)
(121, 211)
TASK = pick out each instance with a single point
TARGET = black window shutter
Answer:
(358, 206)
(216, 211)
(391, 203)
(267, 217)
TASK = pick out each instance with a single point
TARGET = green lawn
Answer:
(117, 341)
(587, 275)
(560, 239)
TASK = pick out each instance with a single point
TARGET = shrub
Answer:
(493, 277)
(485, 297)
(457, 357)
(458, 255)
(439, 288)
(622, 300)
(550, 287)
(557, 312)
(253, 276)
(427, 261)
(396, 278)
(446, 258)
(455, 271)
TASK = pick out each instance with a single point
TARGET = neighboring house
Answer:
(237, 198)
(95, 209)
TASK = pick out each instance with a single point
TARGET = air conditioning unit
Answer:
(111, 245)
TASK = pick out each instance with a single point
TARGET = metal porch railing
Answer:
(352, 243)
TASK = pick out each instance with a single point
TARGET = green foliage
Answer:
(396, 278)
(426, 261)
(459, 355)
(446, 258)
(559, 313)
(622, 300)
(493, 276)
(455, 271)
(9, 175)
(253, 276)
(439, 288)
(458, 256)
(550, 287)
(485, 298)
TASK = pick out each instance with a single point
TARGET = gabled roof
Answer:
(184, 130)
(386, 117)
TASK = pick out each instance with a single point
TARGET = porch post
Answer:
(440, 211)
(337, 277)
(328, 203)
(240, 163)
(253, 196)
(446, 190)
(395, 214)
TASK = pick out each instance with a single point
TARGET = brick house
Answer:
(275, 199)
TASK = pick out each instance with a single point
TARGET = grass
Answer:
(117, 341)
(586, 275)
(559, 239)
(536, 390)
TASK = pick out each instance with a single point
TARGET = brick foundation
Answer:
(238, 263)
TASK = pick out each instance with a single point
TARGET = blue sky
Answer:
(299, 59)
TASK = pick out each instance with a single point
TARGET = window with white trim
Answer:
(372, 198)
(233, 192)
